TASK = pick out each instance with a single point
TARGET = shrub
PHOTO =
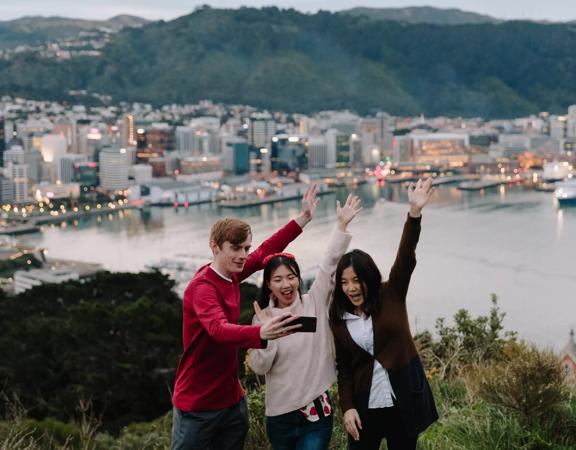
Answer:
(527, 380)
(468, 341)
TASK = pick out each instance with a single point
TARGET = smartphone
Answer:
(308, 324)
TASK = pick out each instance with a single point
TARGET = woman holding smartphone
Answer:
(382, 385)
(300, 368)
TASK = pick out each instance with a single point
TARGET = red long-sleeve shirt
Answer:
(207, 374)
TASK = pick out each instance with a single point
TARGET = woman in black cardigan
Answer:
(382, 385)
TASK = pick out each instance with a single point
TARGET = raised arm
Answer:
(324, 282)
(280, 240)
(418, 195)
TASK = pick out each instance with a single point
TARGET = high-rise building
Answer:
(86, 174)
(288, 153)
(90, 141)
(261, 130)
(317, 152)
(128, 131)
(322, 150)
(53, 146)
(34, 160)
(65, 167)
(356, 151)
(185, 142)
(16, 170)
(571, 122)
(557, 126)
(2, 140)
(342, 150)
(6, 190)
(235, 155)
(160, 138)
(114, 168)
(15, 155)
(67, 128)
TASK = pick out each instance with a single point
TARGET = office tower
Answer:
(128, 131)
(261, 129)
(2, 140)
(16, 170)
(114, 167)
(65, 167)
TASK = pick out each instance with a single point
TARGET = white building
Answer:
(114, 168)
(141, 173)
(47, 192)
(185, 140)
(261, 129)
(16, 170)
(53, 146)
(557, 126)
(24, 280)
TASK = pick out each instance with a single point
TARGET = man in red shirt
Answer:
(209, 406)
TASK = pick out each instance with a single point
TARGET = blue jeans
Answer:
(292, 431)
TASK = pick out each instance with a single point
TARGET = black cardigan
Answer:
(393, 347)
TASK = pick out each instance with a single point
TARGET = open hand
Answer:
(279, 326)
(346, 213)
(419, 194)
(263, 315)
(309, 205)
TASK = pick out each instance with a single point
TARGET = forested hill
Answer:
(287, 60)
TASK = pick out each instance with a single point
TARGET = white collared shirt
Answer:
(381, 393)
(220, 274)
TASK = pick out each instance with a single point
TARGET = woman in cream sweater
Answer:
(300, 368)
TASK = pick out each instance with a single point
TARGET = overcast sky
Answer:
(555, 10)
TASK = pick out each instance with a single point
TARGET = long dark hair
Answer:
(269, 268)
(370, 280)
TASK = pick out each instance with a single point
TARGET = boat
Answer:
(556, 171)
(545, 187)
(565, 193)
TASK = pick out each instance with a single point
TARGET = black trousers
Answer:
(222, 429)
(383, 423)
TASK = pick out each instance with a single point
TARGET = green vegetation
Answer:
(22, 262)
(89, 365)
(422, 14)
(286, 60)
(38, 30)
(111, 342)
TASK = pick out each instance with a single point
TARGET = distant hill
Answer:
(286, 60)
(422, 14)
(36, 29)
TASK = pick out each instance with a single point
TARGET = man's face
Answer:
(230, 258)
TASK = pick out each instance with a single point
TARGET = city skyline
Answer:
(556, 10)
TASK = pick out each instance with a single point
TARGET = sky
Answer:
(553, 10)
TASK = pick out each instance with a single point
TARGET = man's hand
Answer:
(309, 204)
(279, 326)
(418, 195)
(346, 213)
(352, 423)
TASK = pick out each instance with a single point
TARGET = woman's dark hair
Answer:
(269, 268)
(370, 280)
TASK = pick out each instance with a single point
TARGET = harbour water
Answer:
(515, 243)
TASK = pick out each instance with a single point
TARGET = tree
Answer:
(113, 339)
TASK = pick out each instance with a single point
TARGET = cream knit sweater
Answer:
(301, 366)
